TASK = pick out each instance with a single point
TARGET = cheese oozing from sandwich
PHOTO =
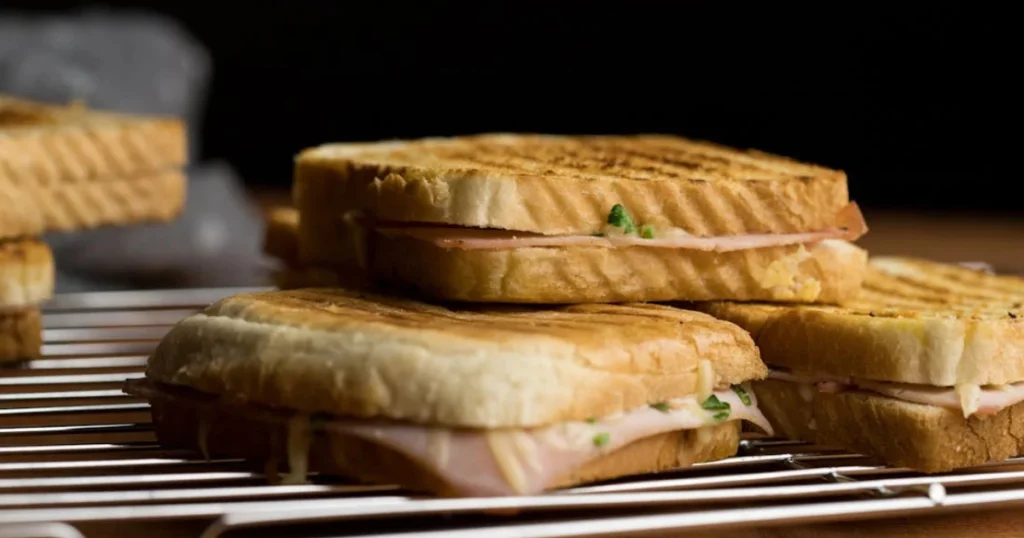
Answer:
(508, 461)
(624, 233)
(969, 399)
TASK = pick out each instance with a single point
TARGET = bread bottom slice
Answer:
(223, 434)
(152, 197)
(26, 273)
(925, 438)
(825, 272)
(21, 334)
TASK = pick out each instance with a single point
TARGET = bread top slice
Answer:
(914, 321)
(281, 236)
(362, 355)
(44, 145)
(568, 184)
(26, 273)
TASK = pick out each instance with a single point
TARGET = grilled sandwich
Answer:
(925, 369)
(574, 219)
(26, 280)
(69, 167)
(464, 402)
(281, 243)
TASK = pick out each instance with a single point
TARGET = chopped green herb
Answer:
(598, 234)
(661, 406)
(621, 219)
(742, 393)
(721, 415)
(601, 439)
(714, 404)
(647, 231)
(591, 420)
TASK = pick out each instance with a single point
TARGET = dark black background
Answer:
(919, 105)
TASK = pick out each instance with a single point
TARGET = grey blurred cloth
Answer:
(216, 242)
(129, 62)
(137, 63)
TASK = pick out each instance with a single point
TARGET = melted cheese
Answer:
(299, 439)
(970, 398)
(438, 445)
(506, 457)
(705, 380)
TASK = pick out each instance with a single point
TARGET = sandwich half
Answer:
(471, 402)
(26, 280)
(925, 369)
(580, 219)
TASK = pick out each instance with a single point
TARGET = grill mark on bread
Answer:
(79, 145)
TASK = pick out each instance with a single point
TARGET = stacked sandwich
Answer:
(65, 168)
(487, 325)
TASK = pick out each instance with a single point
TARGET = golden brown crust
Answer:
(233, 435)
(281, 238)
(915, 321)
(19, 218)
(156, 197)
(48, 146)
(831, 272)
(342, 352)
(566, 185)
(26, 273)
(921, 437)
(20, 334)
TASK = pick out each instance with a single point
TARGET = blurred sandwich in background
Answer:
(26, 280)
(66, 168)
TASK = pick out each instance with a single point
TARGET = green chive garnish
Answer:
(647, 231)
(714, 404)
(621, 219)
(742, 393)
(722, 415)
(601, 439)
(591, 420)
(661, 406)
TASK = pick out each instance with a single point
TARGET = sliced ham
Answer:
(850, 227)
(494, 462)
(524, 461)
(970, 399)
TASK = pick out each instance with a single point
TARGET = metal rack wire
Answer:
(78, 458)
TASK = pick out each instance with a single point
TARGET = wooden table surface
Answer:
(998, 241)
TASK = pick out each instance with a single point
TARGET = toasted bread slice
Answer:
(26, 273)
(19, 217)
(562, 185)
(926, 438)
(281, 239)
(361, 355)
(227, 435)
(21, 334)
(914, 321)
(45, 146)
(825, 272)
(156, 197)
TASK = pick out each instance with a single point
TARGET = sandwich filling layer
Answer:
(620, 231)
(512, 461)
(970, 399)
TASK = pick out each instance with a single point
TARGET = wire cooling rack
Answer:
(78, 458)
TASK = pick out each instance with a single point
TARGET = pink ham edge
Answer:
(851, 227)
(470, 466)
(992, 400)
(472, 469)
